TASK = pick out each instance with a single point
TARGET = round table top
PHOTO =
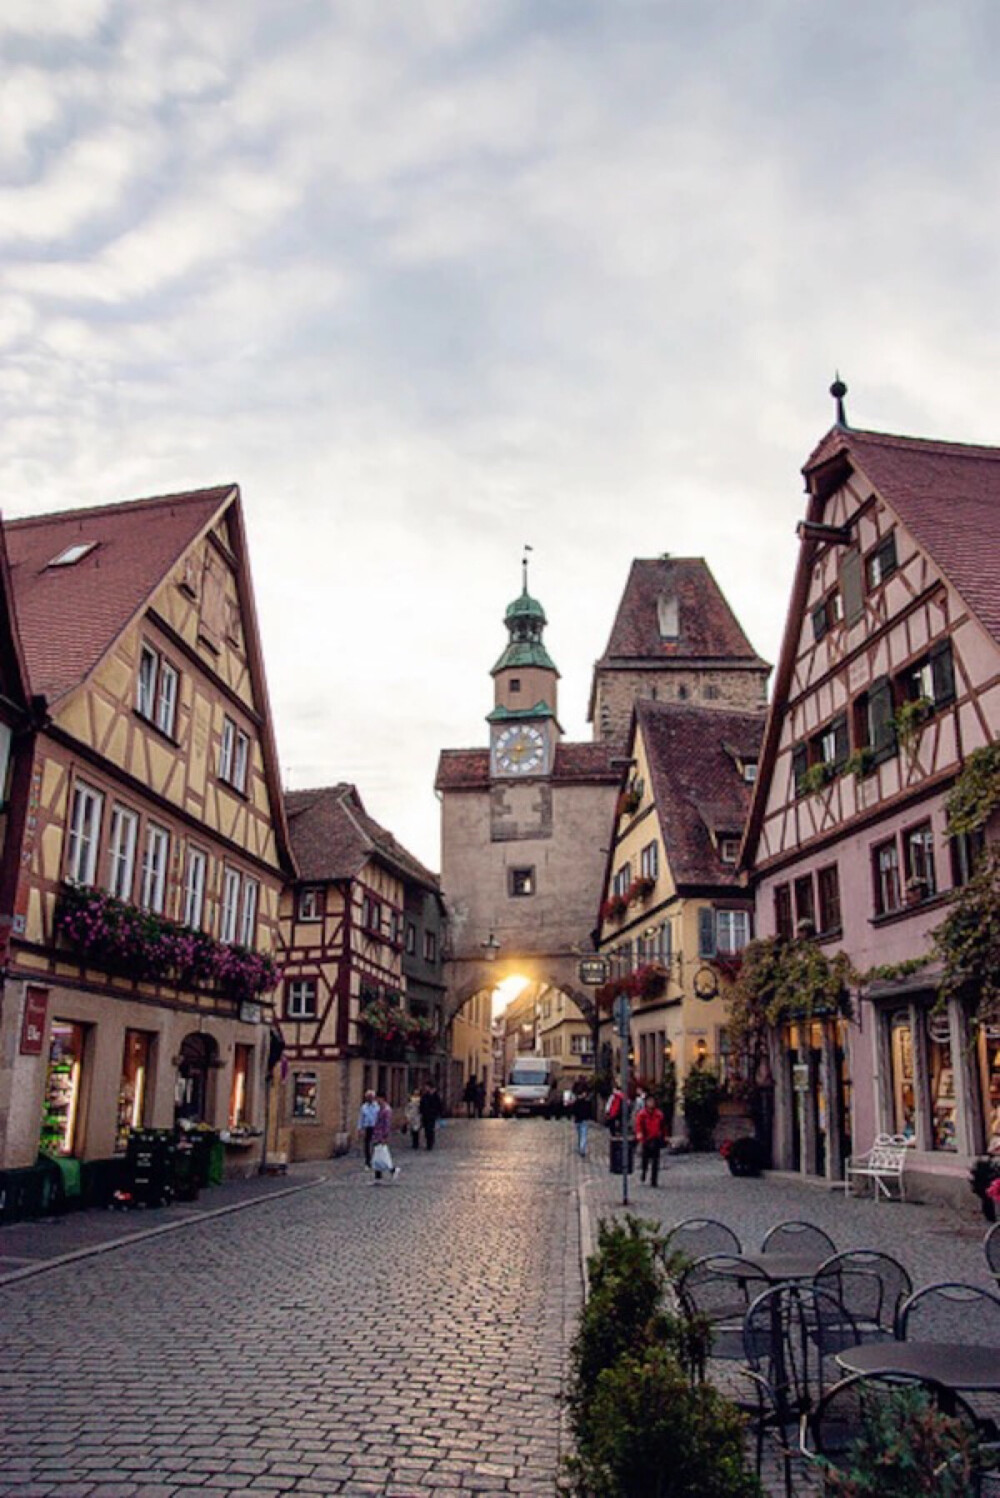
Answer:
(957, 1365)
(779, 1268)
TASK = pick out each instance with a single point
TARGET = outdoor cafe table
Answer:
(960, 1366)
(784, 1268)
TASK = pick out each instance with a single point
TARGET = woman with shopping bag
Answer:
(381, 1154)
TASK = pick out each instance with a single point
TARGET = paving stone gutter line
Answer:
(89, 1250)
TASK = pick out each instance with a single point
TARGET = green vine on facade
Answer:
(975, 796)
(781, 980)
(968, 941)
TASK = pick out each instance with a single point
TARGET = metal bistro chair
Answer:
(871, 1285)
(721, 1287)
(991, 1248)
(798, 1238)
(951, 1312)
(842, 1418)
(696, 1237)
(791, 1334)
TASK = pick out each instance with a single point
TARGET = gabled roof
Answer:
(697, 783)
(333, 837)
(579, 764)
(71, 616)
(945, 494)
(708, 631)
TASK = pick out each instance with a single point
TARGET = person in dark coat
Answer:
(430, 1112)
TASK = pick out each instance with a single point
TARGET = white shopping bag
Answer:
(381, 1158)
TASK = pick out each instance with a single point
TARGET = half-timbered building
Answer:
(347, 1016)
(150, 832)
(889, 677)
(674, 916)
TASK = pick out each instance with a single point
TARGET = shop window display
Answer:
(133, 1088)
(62, 1089)
(901, 1058)
(304, 1095)
(989, 1070)
(239, 1097)
(942, 1079)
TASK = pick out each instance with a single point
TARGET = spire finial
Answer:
(524, 567)
(838, 390)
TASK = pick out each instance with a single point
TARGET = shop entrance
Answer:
(61, 1111)
(199, 1058)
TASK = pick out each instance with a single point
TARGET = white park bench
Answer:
(882, 1164)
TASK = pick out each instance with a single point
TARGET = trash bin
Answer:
(209, 1156)
(216, 1162)
(149, 1167)
(185, 1171)
(616, 1157)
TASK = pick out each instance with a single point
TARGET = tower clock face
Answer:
(520, 750)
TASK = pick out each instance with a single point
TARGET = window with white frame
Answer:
(241, 759)
(121, 858)
(885, 867)
(248, 913)
(154, 868)
(156, 689)
(84, 834)
(309, 903)
(371, 915)
(300, 998)
(732, 931)
(649, 861)
(579, 1045)
(227, 747)
(230, 905)
(622, 879)
(166, 699)
(194, 888)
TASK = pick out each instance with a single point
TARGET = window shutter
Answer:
(706, 931)
(841, 742)
(943, 673)
(800, 764)
(850, 587)
(883, 730)
(665, 942)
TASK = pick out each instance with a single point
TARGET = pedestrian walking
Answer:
(382, 1163)
(480, 1098)
(366, 1124)
(430, 1112)
(650, 1130)
(583, 1112)
(469, 1097)
(614, 1112)
(413, 1117)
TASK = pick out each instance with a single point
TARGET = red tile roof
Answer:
(583, 763)
(70, 616)
(708, 628)
(697, 784)
(333, 837)
(946, 494)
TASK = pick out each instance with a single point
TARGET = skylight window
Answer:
(72, 554)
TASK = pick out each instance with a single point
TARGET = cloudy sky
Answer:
(435, 278)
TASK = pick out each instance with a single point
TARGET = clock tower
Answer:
(523, 724)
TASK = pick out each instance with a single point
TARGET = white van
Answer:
(527, 1089)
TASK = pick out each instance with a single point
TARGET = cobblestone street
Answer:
(401, 1339)
(405, 1339)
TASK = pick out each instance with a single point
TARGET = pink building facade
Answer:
(889, 678)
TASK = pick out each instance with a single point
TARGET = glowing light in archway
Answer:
(506, 990)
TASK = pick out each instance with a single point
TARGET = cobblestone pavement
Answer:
(405, 1339)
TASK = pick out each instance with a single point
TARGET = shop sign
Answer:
(594, 971)
(250, 1012)
(36, 1002)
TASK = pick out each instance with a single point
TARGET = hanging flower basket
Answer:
(614, 908)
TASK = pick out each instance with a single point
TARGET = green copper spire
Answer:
(525, 621)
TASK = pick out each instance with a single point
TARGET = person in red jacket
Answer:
(650, 1130)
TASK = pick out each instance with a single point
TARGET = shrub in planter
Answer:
(701, 1106)
(655, 1435)
(743, 1156)
(984, 1179)
(907, 1448)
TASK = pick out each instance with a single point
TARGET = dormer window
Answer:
(750, 771)
(72, 554)
(729, 848)
(667, 616)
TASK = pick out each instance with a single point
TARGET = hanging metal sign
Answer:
(594, 971)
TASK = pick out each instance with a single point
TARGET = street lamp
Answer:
(490, 948)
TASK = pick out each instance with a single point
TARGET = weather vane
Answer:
(524, 565)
